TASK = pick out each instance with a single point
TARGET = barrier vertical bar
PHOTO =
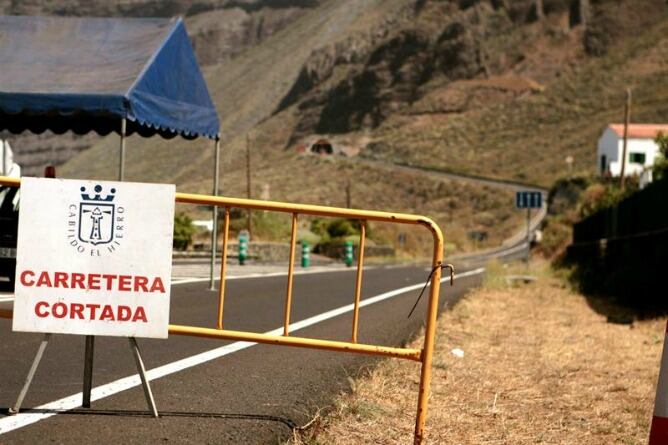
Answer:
(223, 268)
(358, 282)
(291, 270)
(429, 336)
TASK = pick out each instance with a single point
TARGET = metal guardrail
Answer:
(423, 355)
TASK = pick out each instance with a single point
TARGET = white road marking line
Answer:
(269, 274)
(21, 420)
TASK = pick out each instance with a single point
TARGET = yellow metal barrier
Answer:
(423, 355)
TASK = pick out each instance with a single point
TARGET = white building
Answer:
(640, 149)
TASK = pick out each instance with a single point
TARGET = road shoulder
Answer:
(539, 365)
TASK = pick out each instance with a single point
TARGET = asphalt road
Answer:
(249, 394)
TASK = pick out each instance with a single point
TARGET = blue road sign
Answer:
(528, 200)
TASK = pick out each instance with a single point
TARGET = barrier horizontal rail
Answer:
(331, 345)
(423, 355)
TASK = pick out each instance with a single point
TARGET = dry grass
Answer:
(540, 366)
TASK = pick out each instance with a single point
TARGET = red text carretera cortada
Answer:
(91, 282)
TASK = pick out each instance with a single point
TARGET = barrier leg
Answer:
(428, 347)
(31, 373)
(142, 374)
(88, 370)
(425, 378)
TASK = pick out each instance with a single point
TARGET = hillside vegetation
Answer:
(528, 138)
(490, 87)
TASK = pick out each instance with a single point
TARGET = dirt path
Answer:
(483, 180)
(513, 241)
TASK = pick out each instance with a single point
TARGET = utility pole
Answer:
(348, 199)
(248, 185)
(627, 118)
(540, 11)
(584, 13)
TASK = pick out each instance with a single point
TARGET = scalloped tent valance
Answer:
(86, 74)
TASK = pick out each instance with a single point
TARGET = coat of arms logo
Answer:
(96, 217)
(99, 222)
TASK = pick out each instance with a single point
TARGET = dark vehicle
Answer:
(9, 223)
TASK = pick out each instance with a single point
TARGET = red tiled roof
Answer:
(640, 131)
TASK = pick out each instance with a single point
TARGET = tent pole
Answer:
(214, 228)
(4, 167)
(122, 153)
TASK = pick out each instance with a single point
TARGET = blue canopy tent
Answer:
(90, 74)
(105, 74)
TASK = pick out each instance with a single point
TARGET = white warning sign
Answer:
(94, 258)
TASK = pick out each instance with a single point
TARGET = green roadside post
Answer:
(306, 259)
(348, 258)
(243, 248)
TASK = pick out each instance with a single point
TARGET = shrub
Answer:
(183, 231)
(604, 195)
(661, 161)
(336, 228)
(341, 228)
(265, 226)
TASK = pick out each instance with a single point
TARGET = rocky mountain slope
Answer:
(219, 29)
(464, 85)
(496, 88)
